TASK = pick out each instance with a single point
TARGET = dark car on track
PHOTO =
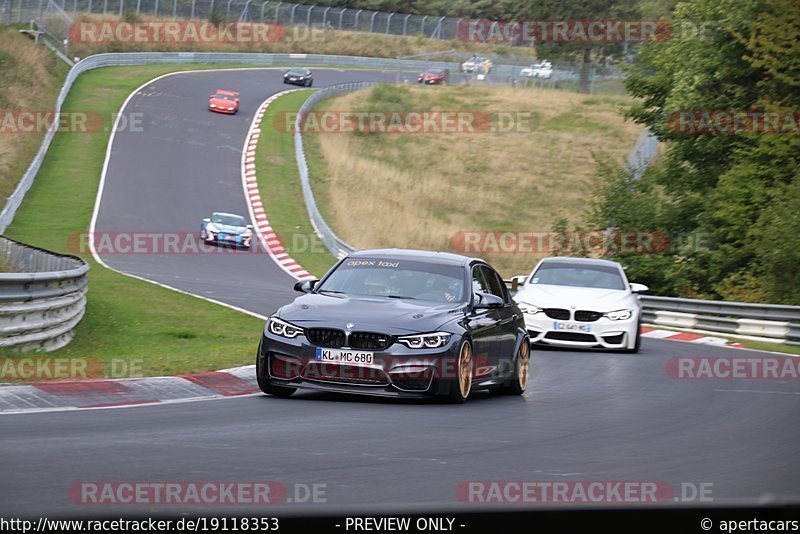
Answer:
(299, 77)
(398, 323)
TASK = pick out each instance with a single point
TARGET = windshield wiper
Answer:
(399, 297)
(331, 291)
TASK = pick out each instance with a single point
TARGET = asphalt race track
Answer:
(586, 416)
(184, 163)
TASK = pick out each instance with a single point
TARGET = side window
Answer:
(479, 284)
(495, 283)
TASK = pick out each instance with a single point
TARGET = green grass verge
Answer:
(771, 347)
(156, 330)
(279, 184)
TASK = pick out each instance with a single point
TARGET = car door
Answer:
(507, 316)
(484, 326)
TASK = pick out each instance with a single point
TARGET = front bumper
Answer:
(229, 239)
(222, 110)
(602, 333)
(296, 81)
(397, 371)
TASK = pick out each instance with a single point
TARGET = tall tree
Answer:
(587, 52)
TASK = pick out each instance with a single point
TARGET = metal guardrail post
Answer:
(245, 15)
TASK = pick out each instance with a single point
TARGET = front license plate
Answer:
(572, 327)
(352, 357)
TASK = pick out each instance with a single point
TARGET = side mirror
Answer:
(305, 286)
(639, 288)
(487, 301)
(249, 227)
(514, 282)
(211, 96)
(207, 220)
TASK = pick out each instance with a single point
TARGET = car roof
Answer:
(582, 261)
(416, 255)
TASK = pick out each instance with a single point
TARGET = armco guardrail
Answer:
(766, 321)
(336, 246)
(40, 306)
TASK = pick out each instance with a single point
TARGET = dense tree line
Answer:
(727, 193)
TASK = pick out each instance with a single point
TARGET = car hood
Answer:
(391, 316)
(229, 229)
(222, 103)
(582, 298)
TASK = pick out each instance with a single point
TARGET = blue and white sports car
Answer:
(226, 229)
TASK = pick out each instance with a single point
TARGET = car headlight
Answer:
(425, 341)
(282, 328)
(530, 309)
(212, 105)
(618, 315)
(212, 228)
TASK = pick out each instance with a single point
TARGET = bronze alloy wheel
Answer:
(465, 369)
(523, 363)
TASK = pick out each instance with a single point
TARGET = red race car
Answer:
(224, 102)
(433, 77)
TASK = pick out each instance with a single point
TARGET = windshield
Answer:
(229, 220)
(578, 275)
(396, 278)
(297, 72)
(223, 96)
